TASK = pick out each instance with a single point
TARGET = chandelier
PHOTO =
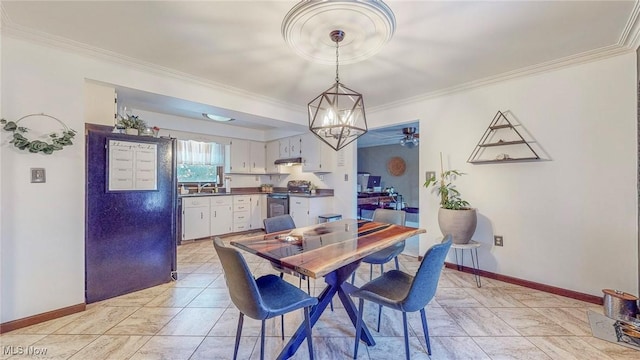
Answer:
(410, 138)
(337, 115)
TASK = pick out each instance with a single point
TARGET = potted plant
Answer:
(131, 124)
(455, 217)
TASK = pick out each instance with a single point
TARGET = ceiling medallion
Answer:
(370, 25)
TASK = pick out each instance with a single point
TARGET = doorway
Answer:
(380, 153)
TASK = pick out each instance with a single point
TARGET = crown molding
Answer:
(585, 57)
(630, 36)
(56, 42)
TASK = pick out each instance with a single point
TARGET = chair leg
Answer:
(308, 286)
(358, 327)
(406, 335)
(370, 272)
(262, 341)
(379, 316)
(397, 263)
(353, 278)
(282, 325)
(238, 335)
(425, 328)
(308, 331)
(281, 275)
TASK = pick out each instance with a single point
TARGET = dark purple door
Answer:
(129, 235)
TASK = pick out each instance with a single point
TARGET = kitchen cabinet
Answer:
(221, 209)
(195, 218)
(290, 147)
(316, 156)
(239, 156)
(246, 157)
(241, 213)
(257, 213)
(257, 157)
(273, 154)
(305, 210)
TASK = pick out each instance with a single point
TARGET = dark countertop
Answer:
(251, 191)
(305, 195)
(220, 194)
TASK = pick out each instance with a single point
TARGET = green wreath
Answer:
(58, 141)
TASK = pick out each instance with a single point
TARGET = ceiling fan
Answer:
(410, 138)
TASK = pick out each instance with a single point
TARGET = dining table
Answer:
(332, 251)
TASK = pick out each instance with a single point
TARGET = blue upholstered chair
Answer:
(263, 298)
(390, 253)
(387, 254)
(281, 223)
(401, 291)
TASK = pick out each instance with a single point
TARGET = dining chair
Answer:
(389, 253)
(401, 291)
(263, 298)
(281, 223)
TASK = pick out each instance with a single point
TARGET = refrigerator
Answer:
(130, 217)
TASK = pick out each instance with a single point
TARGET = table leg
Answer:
(336, 283)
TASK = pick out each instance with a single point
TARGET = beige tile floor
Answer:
(193, 318)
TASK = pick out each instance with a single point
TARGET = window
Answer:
(200, 161)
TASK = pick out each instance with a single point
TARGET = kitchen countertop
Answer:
(305, 195)
(255, 193)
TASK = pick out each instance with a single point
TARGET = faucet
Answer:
(200, 186)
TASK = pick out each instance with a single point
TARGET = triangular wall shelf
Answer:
(502, 142)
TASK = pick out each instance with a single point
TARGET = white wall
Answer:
(569, 222)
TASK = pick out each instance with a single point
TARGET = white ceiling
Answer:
(438, 46)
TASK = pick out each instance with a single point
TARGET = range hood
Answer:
(289, 161)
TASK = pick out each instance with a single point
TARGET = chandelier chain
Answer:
(337, 54)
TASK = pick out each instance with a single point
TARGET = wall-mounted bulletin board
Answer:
(132, 166)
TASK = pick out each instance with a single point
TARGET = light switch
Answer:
(38, 175)
(429, 175)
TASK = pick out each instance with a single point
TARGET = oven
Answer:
(277, 204)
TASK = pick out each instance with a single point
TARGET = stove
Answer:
(278, 202)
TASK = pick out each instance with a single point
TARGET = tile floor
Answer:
(193, 318)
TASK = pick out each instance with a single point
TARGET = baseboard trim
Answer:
(39, 318)
(532, 285)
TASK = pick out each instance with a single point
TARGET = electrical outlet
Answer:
(497, 240)
(346, 177)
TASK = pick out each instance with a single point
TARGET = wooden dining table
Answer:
(330, 250)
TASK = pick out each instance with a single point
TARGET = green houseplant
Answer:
(455, 217)
(132, 124)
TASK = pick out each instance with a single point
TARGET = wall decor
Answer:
(58, 141)
(396, 166)
(502, 136)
